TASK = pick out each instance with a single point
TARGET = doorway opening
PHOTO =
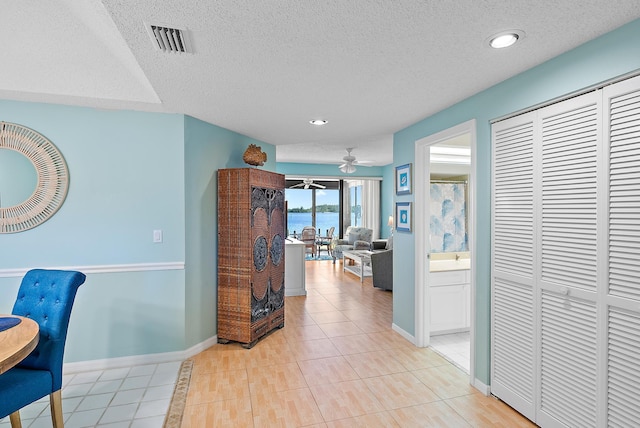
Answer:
(445, 207)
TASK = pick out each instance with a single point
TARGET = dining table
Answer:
(18, 337)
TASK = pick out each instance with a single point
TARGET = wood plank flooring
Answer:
(336, 363)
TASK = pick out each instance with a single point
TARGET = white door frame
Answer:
(422, 298)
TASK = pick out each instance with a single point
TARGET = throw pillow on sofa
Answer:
(353, 237)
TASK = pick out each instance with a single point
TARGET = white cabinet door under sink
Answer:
(449, 311)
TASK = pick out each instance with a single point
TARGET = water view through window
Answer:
(321, 207)
(302, 211)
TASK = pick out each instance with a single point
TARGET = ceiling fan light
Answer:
(348, 168)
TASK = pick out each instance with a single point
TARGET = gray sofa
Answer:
(355, 238)
(382, 269)
(382, 265)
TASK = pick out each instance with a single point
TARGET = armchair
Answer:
(46, 296)
(355, 238)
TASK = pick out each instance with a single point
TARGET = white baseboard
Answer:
(136, 360)
(403, 333)
(199, 347)
(485, 389)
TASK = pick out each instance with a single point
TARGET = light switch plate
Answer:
(157, 236)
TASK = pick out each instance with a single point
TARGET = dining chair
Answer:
(45, 296)
(326, 241)
(308, 236)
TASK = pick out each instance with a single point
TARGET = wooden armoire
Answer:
(251, 236)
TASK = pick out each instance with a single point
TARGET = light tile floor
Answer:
(336, 363)
(454, 347)
(129, 397)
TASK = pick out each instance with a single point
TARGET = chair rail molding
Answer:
(134, 267)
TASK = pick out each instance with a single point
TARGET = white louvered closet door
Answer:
(512, 364)
(623, 291)
(575, 299)
(567, 276)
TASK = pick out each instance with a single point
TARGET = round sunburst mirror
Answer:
(27, 201)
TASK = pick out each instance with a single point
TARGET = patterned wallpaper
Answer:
(448, 217)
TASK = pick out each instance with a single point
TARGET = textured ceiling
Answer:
(265, 68)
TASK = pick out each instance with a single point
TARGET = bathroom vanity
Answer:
(449, 288)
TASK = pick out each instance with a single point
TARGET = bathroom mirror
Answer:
(33, 178)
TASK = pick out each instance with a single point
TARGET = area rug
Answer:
(179, 398)
(309, 257)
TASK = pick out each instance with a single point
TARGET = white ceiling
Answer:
(265, 68)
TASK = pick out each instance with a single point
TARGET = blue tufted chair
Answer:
(45, 296)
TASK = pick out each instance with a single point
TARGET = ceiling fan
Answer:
(308, 182)
(350, 162)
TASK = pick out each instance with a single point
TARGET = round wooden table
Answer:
(17, 342)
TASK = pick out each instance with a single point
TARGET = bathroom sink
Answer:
(445, 265)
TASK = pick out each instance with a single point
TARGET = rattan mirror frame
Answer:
(52, 184)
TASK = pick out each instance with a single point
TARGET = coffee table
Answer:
(358, 262)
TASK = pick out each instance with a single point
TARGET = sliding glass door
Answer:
(361, 204)
(355, 204)
(324, 203)
(314, 206)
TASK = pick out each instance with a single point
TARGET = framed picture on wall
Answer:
(403, 179)
(403, 216)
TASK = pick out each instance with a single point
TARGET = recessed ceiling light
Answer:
(505, 39)
(318, 122)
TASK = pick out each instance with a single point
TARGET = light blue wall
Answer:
(207, 149)
(387, 192)
(131, 173)
(614, 54)
(126, 179)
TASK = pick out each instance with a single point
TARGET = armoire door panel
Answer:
(259, 236)
(276, 249)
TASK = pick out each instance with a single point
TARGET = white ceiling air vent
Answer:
(169, 39)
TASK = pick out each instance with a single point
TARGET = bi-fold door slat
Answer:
(568, 360)
(623, 346)
(513, 337)
(513, 199)
(568, 178)
(623, 380)
(624, 196)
